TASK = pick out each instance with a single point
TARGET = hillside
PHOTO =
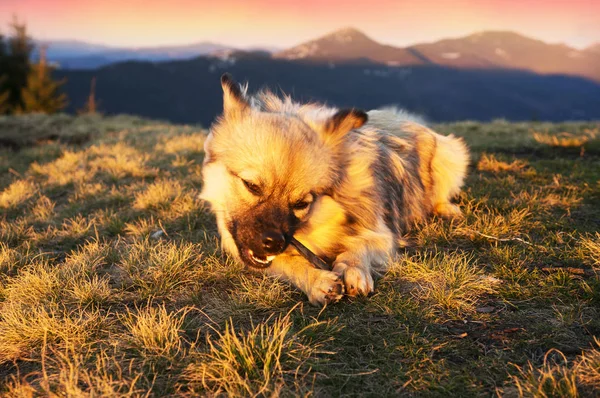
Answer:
(348, 44)
(595, 48)
(73, 54)
(483, 50)
(190, 92)
(508, 50)
(484, 76)
(112, 282)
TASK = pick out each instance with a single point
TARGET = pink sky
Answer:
(283, 23)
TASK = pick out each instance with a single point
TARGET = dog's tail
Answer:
(443, 159)
(394, 115)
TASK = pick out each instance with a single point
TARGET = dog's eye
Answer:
(253, 188)
(301, 205)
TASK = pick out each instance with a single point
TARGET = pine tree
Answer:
(91, 105)
(4, 97)
(41, 93)
(4, 94)
(17, 65)
(2, 53)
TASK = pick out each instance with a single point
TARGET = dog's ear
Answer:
(342, 122)
(234, 100)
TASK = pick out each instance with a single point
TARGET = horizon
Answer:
(288, 23)
(258, 46)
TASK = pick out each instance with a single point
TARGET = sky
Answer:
(284, 23)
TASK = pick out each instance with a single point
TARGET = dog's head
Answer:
(264, 170)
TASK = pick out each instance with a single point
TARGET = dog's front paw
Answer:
(356, 280)
(328, 288)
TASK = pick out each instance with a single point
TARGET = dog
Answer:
(345, 183)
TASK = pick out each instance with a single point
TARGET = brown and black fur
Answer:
(345, 183)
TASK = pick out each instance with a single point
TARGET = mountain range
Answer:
(480, 77)
(483, 50)
(73, 54)
(594, 48)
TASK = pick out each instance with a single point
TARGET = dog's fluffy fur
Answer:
(345, 183)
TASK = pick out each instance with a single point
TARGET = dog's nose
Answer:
(273, 242)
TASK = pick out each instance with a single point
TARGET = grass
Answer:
(112, 282)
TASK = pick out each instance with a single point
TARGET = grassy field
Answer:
(112, 282)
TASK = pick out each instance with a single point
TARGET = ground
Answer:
(112, 282)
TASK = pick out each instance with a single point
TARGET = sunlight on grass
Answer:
(158, 268)
(166, 197)
(113, 283)
(43, 209)
(37, 283)
(10, 259)
(565, 139)
(15, 232)
(24, 328)
(588, 368)
(91, 290)
(182, 144)
(119, 161)
(493, 223)
(258, 362)
(156, 331)
(449, 282)
(489, 162)
(70, 167)
(550, 380)
(159, 195)
(73, 372)
(17, 193)
(86, 191)
(262, 293)
(556, 377)
(591, 247)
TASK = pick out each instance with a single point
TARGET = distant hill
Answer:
(72, 54)
(594, 48)
(484, 50)
(189, 91)
(510, 50)
(348, 44)
(71, 48)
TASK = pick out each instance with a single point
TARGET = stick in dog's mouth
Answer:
(310, 256)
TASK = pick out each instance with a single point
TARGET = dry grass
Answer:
(34, 284)
(70, 167)
(259, 362)
(10, 259)
(556, 377)
(549, 380)
(43, 209)
(489, 162)
(262, 293)
(158, 268)
(588, 369)
(450, 283)
(16, 194)
(182, 144)
(25, 329)
(159, 195)
(112, 282)
(69, 372)
(155, 331)
(591, 247)
(566, 139)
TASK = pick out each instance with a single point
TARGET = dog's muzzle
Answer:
(272, 243)
(259, 261)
